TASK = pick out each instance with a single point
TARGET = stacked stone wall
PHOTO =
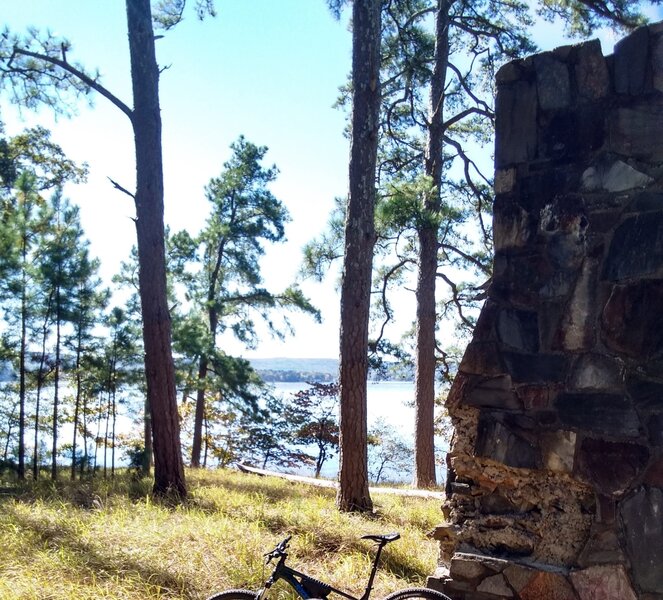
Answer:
(555, 483)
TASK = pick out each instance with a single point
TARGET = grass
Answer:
(111, 540)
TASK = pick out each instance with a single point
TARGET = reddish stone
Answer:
(611, 467)
(551, 586)
(654, 474)
(534, 397)
(604, 582)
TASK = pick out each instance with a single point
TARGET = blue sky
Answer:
(265, 69)
(268, 69)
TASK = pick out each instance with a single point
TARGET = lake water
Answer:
(391, 401)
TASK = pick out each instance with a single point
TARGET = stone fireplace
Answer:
(555, 486)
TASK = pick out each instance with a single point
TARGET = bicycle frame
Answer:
(298, 580)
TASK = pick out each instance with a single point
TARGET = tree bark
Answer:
(424, 446)
(353, 491)
(159, 367)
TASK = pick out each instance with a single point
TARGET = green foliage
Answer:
(582, 17)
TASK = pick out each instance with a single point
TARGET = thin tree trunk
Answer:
(114, 407)
(159, 366)
(21, 365)
(424, 446)
(77, 402)
(353, 491)
(56, 392)
(199, 415)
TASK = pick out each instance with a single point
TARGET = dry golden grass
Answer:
(110, 539)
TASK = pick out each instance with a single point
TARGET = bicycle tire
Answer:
(237, 594)
(417, 594)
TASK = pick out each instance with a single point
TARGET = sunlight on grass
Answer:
(112, 540)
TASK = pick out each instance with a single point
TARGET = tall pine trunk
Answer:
(353, 491)
(159, 366)
(424, 452)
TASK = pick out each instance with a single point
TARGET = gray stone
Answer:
(559, 450)
(505, 180)
(646, 202)
(637, 131)
(602, 548)
(610, 414)
(597, 372)
(563, 224)
(578, 325)
(636, 249)
(495, 392)
(591, 72)
(498, 442)
(631, 62)
(515, 125)
(468, 567)
(512, 226)
(495, 585)
(618, 177)
(533, 368)
(647, 394)
(657, 62)
(641, 515)
(518, 329)
(552, 82)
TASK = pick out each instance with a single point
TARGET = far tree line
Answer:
(420, 101)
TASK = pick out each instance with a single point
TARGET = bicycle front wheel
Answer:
(234, 595)
(417, 594)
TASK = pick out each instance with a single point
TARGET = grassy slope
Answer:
(110, 540)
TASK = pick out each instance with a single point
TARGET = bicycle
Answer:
(308, 587)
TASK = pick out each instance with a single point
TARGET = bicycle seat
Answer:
(382, 539)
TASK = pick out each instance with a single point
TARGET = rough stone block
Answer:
(536, 368)
(591, 72)
(512, 225)
(631, 55)
(641, 515)
(611, 414)
(637, 248)
(548, 585)
(536, 397)
(518, 329)
(498, 442)
(611, 467)
(646, 202)
(603, 582)
(515, 125)
(636, 131)
(615, 177)
(559, 449)
(482, 358)
(505, 181)
(495, 392)
(654, 474)
(603, 547)
(495, 585)
(596, 372)
(647, 394)
(629, 323)
(577, 330)
(552, 82)
(657, 61)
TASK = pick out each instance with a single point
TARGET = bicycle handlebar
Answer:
(279, 551)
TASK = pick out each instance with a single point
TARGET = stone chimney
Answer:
(555, 486)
